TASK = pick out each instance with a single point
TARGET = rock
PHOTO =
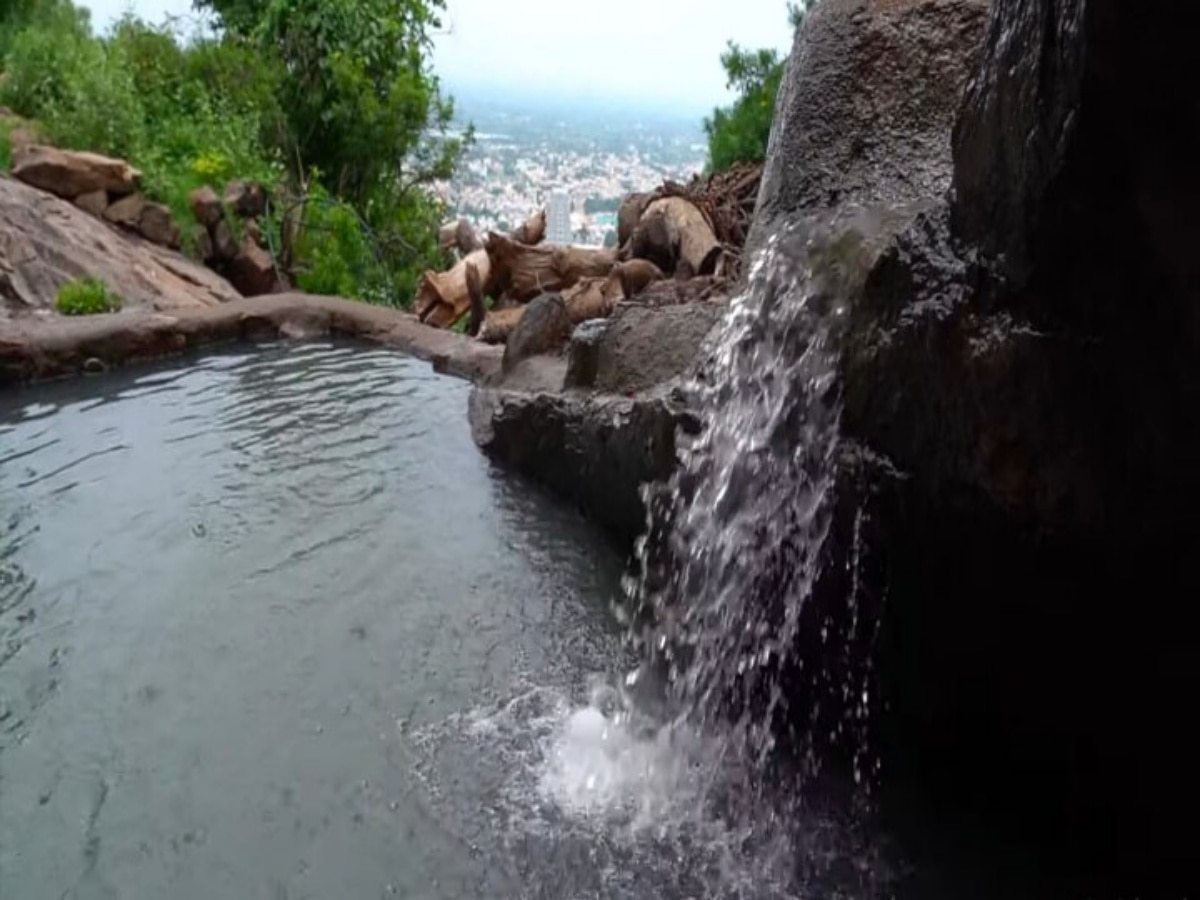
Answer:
(646, 346)
(252, 271)
(93, 203)
(206, 206)
(202, 243)
(254, 233)
(46, 242)
(843, 136)
(69, 173)
(225, 246)
(1022, 365)
(545, 327)
(583, 355)
(595, 450)
(126, 211)
(246, 199)
(41, 347)
(156, 226)
(636, 275)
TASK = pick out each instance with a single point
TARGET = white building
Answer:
(558, 218)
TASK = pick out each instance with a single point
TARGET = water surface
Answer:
(264, 621)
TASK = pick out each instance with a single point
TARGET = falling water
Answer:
(671, 781)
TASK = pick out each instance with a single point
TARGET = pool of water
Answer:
(264, 621)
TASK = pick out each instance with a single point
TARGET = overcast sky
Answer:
(650, 52)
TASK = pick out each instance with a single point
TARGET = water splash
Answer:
(734, 548)
(672, 775)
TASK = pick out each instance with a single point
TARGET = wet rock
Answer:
(644, 346)
(46, 242)
(583, 355)
(545, 327)
(126, 211)
(865, 110)
(39, 347)
(596, 450)
(93, 203)
(69, 173)
(1024, 359)
(206, 206)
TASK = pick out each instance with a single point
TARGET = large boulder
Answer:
(1020, 365)
(865, 111)
(253, 271)
(69, 173)
(645, 346)
(46, 242)
(595, 449)
(612, 429)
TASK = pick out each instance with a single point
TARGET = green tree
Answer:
(362, 104)
(365, 120)
(740, 132)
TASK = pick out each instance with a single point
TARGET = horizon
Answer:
(488, 51)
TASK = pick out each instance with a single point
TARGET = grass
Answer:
(86, 297)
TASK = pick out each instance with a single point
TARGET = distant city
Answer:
(576, 162)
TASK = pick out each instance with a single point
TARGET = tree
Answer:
(365, 124)
(740, 132)
(362, 105)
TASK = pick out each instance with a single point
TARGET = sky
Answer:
(648, 53)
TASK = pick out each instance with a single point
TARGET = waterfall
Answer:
(734, 544)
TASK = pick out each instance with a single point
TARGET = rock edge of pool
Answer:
(35, 349)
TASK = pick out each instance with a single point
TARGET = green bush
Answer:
(289, 93)
(6, 128)
(740, 132)
(86, 297)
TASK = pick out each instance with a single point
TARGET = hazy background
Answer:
(647, 54)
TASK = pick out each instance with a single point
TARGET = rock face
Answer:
(544, 328)
(69, 173)
(644, 347)
(1021, 369)
(46, 242)
(593, 442)
(595, 449)
(252, 271)
(887, 141)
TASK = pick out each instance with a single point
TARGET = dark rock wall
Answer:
(1026, 356)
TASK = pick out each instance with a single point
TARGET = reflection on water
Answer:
(233, 597)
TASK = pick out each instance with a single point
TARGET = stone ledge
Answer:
(38, 349)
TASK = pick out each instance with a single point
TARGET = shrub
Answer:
(6, 128)
(353, 76)
(86, 297)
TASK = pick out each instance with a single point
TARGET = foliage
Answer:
(741, 132)
(138, 95)
(329, 100)
(86, 297)
(365, 122)
(6, 127)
